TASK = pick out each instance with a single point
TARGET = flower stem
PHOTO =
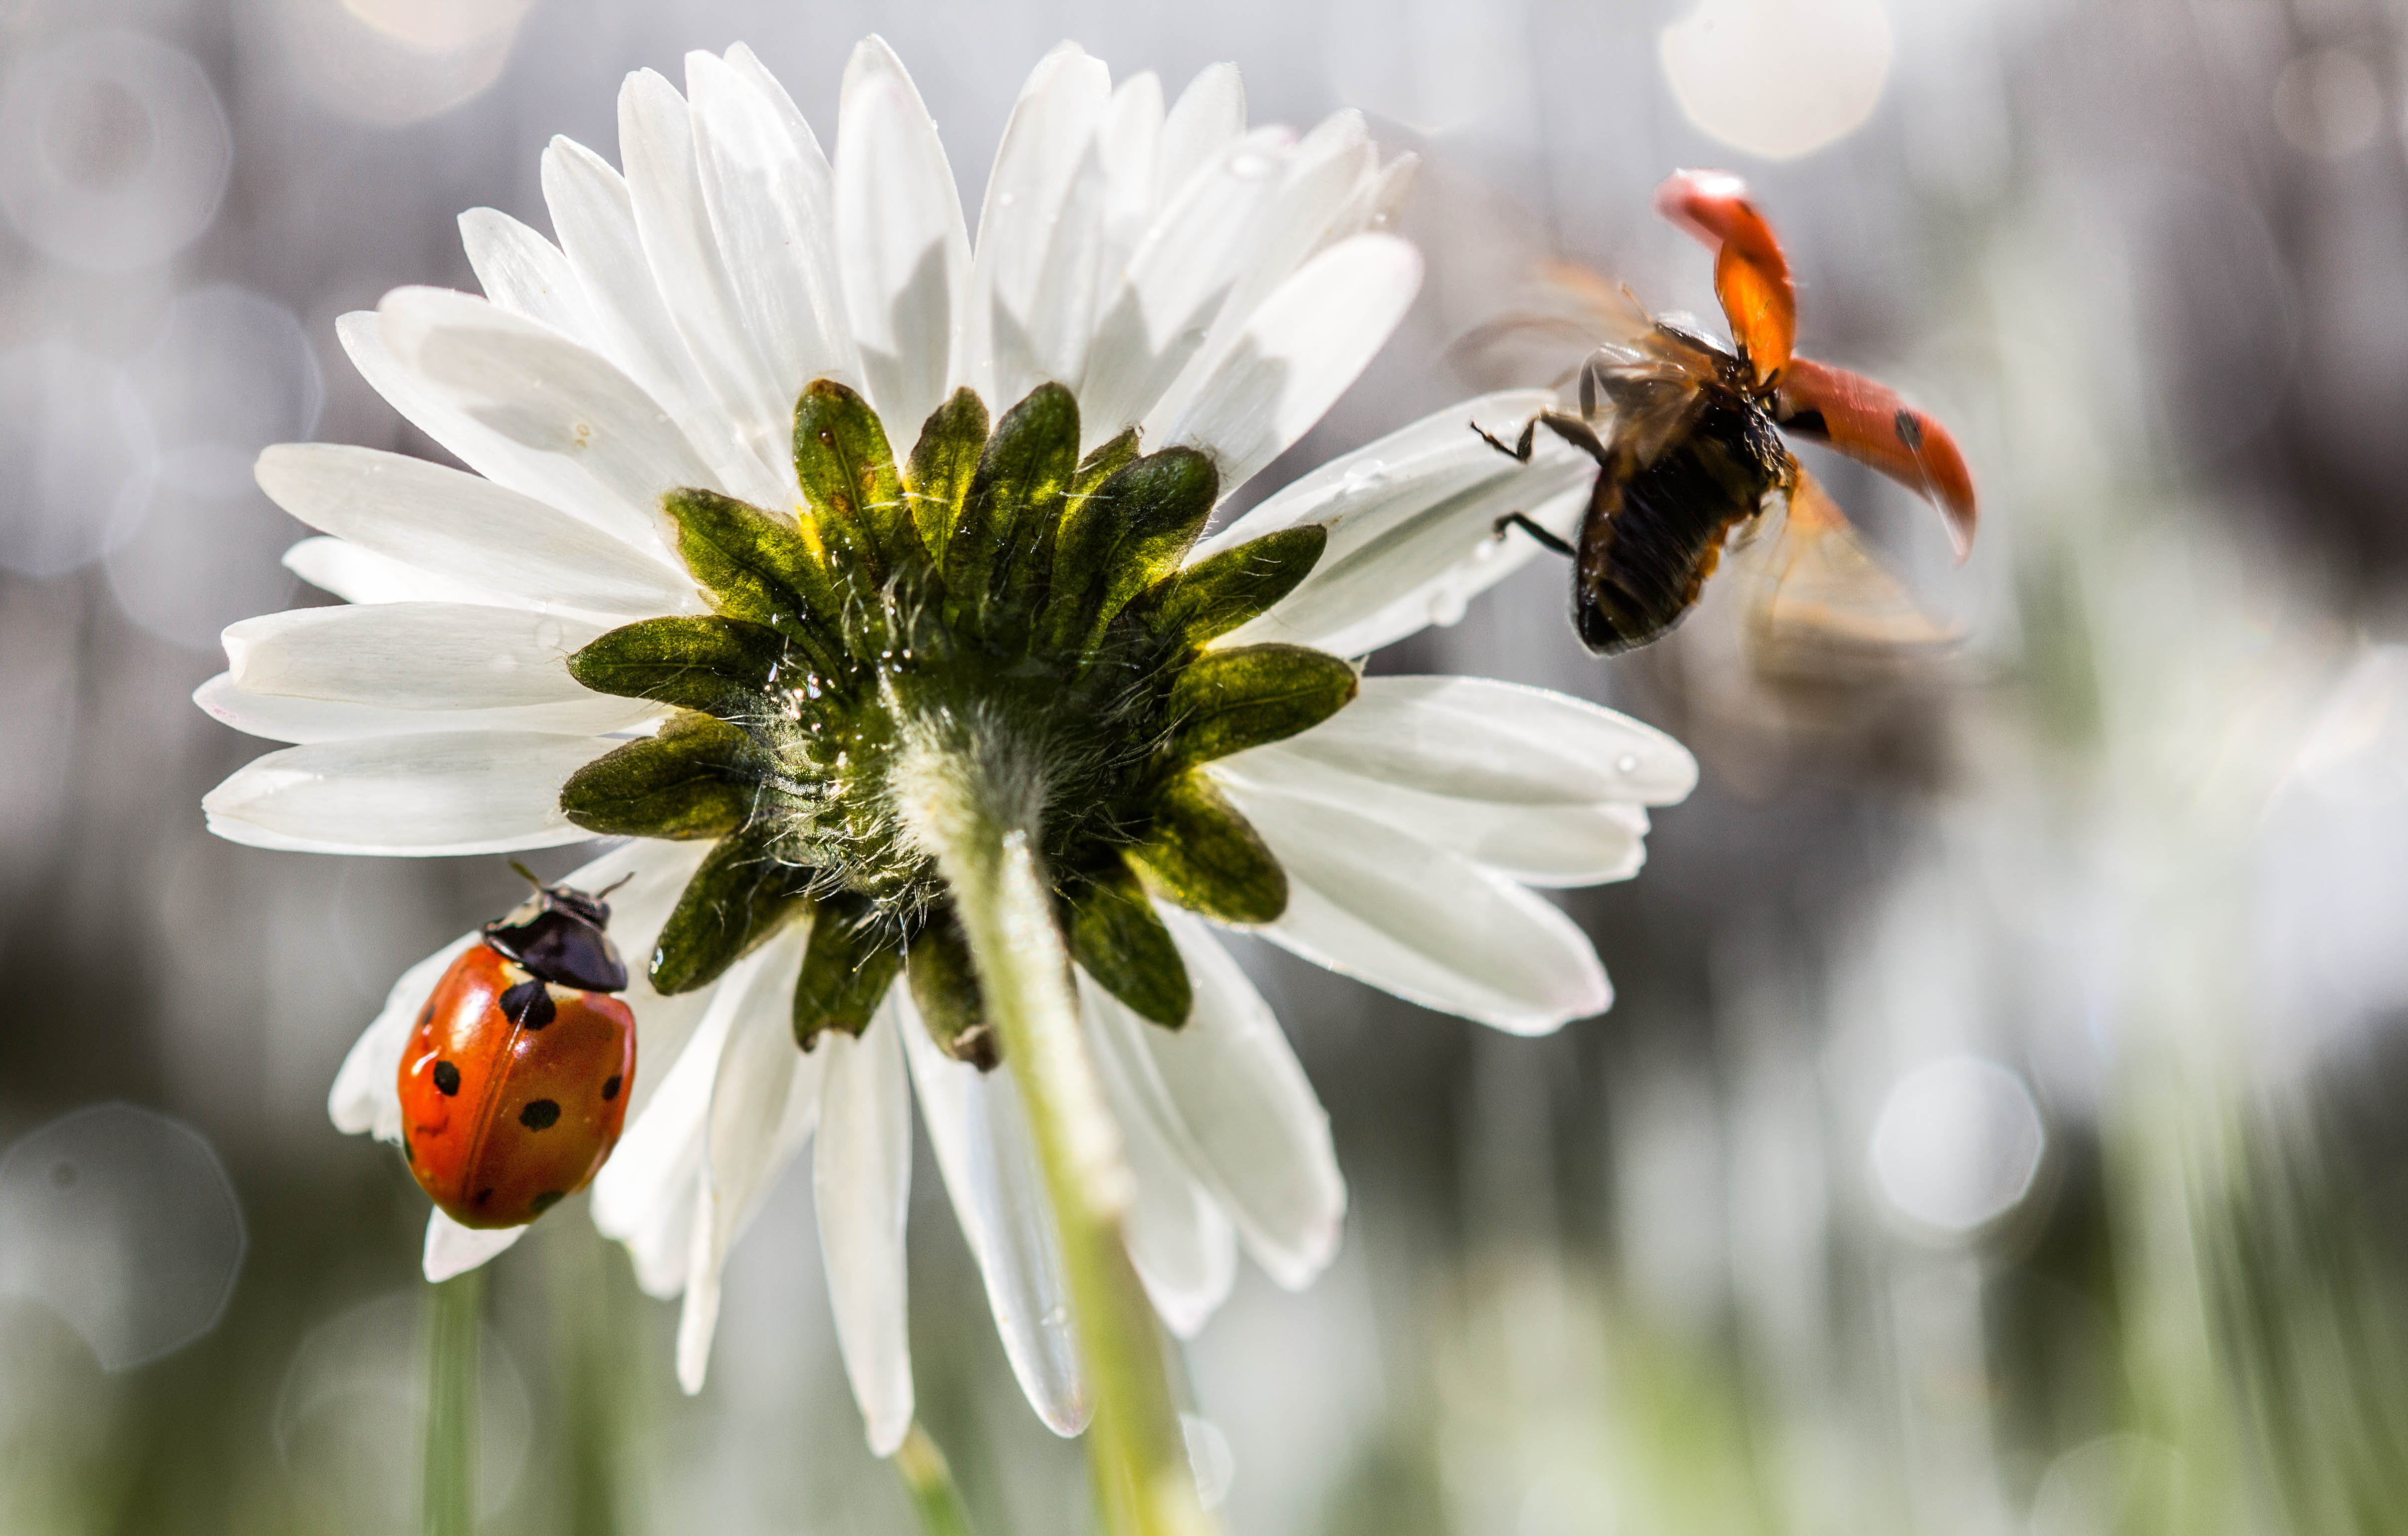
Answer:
(981, 834)
(455, 1314)
(930, 1480)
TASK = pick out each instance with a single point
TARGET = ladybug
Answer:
(514, 1083)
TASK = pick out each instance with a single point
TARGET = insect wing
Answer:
(1826, 610)
(1870, 423)
(1751, 275)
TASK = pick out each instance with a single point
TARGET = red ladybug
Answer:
(513, 1087)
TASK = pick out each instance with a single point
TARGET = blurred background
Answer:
(1998, 1128)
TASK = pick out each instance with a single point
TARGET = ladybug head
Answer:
(559, 935)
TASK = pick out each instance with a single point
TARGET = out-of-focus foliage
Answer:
(1998, 1127)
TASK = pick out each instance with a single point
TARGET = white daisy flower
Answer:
(671, 603)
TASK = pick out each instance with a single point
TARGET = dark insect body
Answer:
(514, 1080)
(1687, 435)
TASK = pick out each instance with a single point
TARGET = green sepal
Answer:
(718, 666)
(846, 468)
(945, 990)
(1130, 534)
(757, 568)
(848, 967)
(1115, 933)
(1195, 605)
(1109, 459)
(1015, 498)
(740, 897)
(1225, 701)
(1202, 854)
(697, 779)
(937, 480)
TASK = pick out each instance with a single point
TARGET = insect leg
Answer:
(1546, 540)
(1521, 447)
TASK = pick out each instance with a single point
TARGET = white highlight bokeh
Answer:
(113, 150)
(1958, 1144)
(1778, 78)
(123, 1223)
(77, 458)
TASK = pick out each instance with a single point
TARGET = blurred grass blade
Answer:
(931, 1485)
(455, 1312)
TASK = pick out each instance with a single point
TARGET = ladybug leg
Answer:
(1545, 540)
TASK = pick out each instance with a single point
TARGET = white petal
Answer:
(466, 792)
(772, 200)
(593, 212)
(902, 253)
(464, 528)
(364, 1097)
(539, 473)
(1179, 1241)
(861, 1180)
(981, 1137)
(1155, 319)
(1252, 1126)
(1480, 740)
(744, 1137)
(1429, 925)
(1131, 146)
(1209, 114)
(656, 141)
(646, 1193)
(1295, 355)
(1320, 177)
(1536, 845)
(1412, 523)
(453, 1249)
(410, 656)
(359, 575)
(1039, 236)
(547, 394)
(282, 717)
(526, 273)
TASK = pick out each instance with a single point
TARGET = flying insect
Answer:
(1688, 434)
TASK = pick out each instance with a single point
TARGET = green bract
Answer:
(997, 582)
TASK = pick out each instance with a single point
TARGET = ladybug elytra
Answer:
(514, 1083)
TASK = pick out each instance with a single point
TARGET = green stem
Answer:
(455, 1314)
(930, 1480)
(966, 812)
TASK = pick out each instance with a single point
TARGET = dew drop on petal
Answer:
(1004, 199)
(1250, 166)
(1627, 763)
(1365, 475)
(1447, 607)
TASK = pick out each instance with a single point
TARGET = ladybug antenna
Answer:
(528, 875)
(614, 884)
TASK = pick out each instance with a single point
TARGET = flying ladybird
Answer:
(513, 1085)
(1692, 441)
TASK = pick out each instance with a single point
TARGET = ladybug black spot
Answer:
(446, 1078)
(610, 1088)
(1910, 431)
(427, 1017)
(408, 1153)
(529, 1004)
(545, 1201)
(539, 1114)
(484, 1195)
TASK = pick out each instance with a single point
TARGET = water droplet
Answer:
(1363, 476)
(1004, 199)
(1251, 167)
(1627, 763)
(1446, 608)
(1484, 550)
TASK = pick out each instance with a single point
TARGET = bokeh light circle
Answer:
(77, 458)
(1957, 1145)
(1778, 78)
(123, 1223)
(113, 150)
